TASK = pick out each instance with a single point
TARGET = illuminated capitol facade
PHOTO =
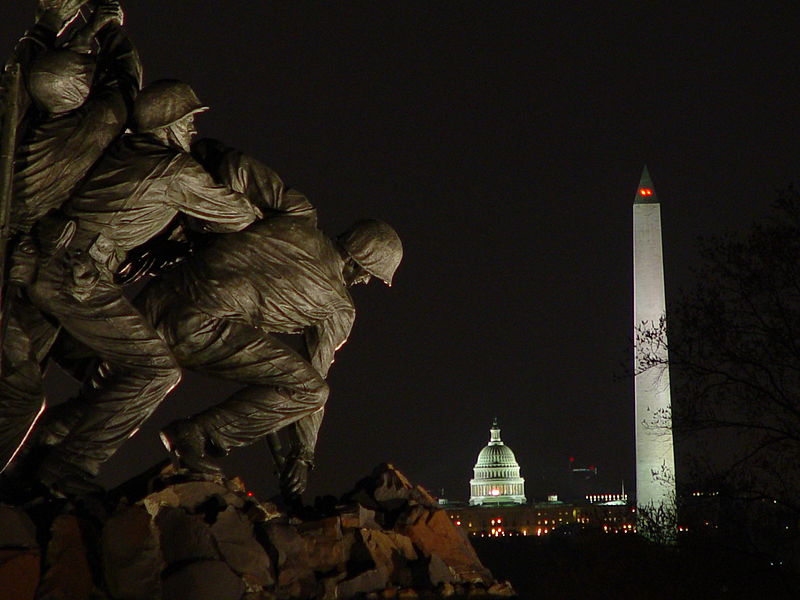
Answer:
(496, 480)
(498, 506)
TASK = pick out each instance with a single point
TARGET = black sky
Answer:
(504, 141)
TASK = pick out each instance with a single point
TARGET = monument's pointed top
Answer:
(646, 193)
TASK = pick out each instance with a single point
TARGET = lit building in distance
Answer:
(542, 518)
(655, 460)
(498, 506)
(497, 480)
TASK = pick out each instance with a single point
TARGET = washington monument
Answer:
(655, 459)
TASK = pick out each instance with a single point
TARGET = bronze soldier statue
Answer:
(76, 102)
(141, 183)
(219, 312)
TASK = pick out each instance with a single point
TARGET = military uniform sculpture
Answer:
(259, 266)
(219, 309)
(73, 104)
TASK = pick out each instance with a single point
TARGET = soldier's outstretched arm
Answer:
(251, 177)
(193, 192)
(119, 69)
(105, 13)
(58, 14)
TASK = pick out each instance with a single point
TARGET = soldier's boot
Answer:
(50, 430)
(187, 443)
(66, 480)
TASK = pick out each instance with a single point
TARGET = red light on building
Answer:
(571, 459)
(645, 192)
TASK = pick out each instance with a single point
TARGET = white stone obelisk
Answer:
(655, 458)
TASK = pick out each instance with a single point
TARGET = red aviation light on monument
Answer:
(646, 192)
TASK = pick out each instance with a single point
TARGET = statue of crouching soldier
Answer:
(220, 309)
(133, 193)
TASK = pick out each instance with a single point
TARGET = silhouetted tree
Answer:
(734, 357)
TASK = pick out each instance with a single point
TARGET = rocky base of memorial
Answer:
(170, 538)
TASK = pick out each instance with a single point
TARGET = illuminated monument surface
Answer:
(655, 462)
(497, 479)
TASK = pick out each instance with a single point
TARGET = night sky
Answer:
(505, 143)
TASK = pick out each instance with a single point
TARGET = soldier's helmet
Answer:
(60, 80)
(375, 246)
(164, 102)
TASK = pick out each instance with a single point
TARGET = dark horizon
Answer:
(505, 145)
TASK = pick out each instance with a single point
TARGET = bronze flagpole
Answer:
(8, 145)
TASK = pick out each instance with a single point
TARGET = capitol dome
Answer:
(497, 479)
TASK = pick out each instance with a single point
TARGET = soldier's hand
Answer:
(56, 14)
(108, 11)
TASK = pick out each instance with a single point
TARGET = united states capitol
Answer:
(499, 507)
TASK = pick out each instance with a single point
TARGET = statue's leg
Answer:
(21, 397)
(281, 386)
(137, 371)
(80, 362)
